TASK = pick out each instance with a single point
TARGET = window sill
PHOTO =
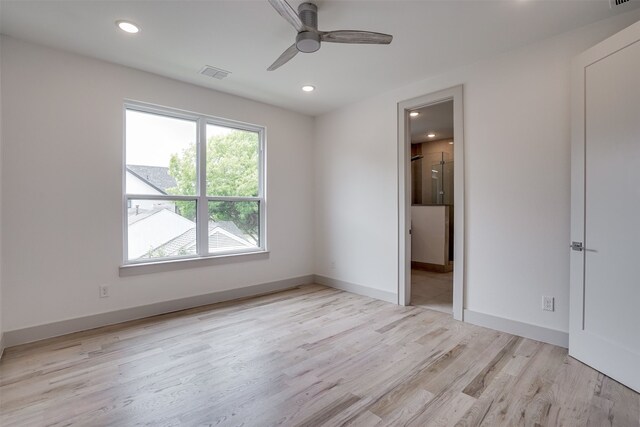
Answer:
(183, 264)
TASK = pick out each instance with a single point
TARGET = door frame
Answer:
(404, 194)
(579, 338)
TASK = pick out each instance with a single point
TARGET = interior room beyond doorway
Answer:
(432, 207)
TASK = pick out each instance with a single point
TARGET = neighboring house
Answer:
(163, 233)
(148, 180)
(223, 236)
(157, 230)
(153, 228)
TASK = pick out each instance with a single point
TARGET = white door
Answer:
(605, 208)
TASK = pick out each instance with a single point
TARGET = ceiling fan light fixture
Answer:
(128, 27)
(308, 41)
(308, 88)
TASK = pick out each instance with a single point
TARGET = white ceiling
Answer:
(245, 36)
(436, 118)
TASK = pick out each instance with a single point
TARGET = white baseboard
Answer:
(36, 333)
(527, 330)
(50, 330)
(356, 289)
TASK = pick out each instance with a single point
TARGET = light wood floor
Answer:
(432, 290)
(306, 357)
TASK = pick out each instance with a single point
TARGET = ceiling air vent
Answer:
(218, 73)
(617, 2)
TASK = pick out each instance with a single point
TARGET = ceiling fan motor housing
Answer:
(308, 41)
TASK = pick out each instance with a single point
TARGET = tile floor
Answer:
(432, 290)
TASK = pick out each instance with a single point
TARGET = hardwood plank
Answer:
(308, 356)
(489, 372)
(613, 404)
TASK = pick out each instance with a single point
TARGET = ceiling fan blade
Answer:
(353, 36)
(286, 56)
(287, 12)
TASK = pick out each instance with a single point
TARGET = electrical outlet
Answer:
(333, 265)
(103, 291)
(548, 303)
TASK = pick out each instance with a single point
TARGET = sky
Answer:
(151, 139)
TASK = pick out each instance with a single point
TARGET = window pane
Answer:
(232, 162)
(161, 154)
(233, 226)
(161, 229)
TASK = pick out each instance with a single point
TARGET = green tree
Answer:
(232, 170)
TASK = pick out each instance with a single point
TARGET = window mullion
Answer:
(170, 197)
(202, 222)
(233, 199)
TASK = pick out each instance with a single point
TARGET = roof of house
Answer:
(152, 228)
(222, 235)
(160, 231)
(142, 215)
(156, 176)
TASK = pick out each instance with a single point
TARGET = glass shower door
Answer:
(441, 171)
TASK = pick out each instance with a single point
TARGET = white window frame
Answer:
(201, 198)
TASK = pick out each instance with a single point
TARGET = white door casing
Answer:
(404, 195)
(605, 207)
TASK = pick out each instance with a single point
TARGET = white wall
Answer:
(516, 118)
(63, 143)
(1, 237)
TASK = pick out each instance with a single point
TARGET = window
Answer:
(194, 186)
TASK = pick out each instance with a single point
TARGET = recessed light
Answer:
(414, 114)
(128, 27)
(450, 142)
(308, 88)
(431, 135)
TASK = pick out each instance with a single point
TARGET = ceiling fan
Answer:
(308, 40)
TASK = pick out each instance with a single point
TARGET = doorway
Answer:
(432, 206)
(431, 202)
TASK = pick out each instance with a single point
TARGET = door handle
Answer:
(577, 246)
